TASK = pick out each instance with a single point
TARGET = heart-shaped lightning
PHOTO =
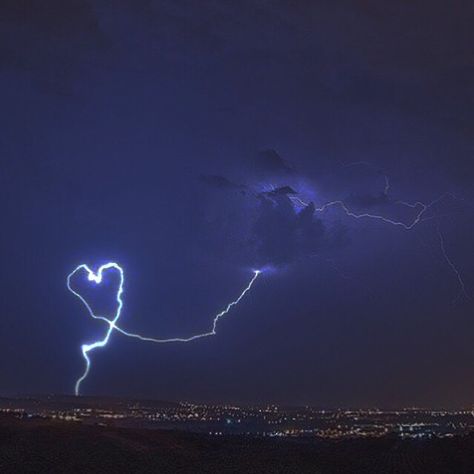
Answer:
(97, 277)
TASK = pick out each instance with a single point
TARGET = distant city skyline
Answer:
(270, 421)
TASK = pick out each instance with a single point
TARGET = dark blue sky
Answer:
(152, 133)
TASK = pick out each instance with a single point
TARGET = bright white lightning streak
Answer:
(96, 277)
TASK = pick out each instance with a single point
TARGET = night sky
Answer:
(176, 137)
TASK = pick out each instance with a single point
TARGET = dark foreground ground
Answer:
(36, 446)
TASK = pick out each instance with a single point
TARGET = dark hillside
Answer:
(38, 446)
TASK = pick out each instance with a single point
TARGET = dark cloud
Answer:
(282, 191)
(220, 182)
(282, 235)
(278, 226)
(270, 162)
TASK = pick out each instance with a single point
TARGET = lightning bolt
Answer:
(420, 216)
(97, 277)
(453, 267)
(212, 332)
(423, 208)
